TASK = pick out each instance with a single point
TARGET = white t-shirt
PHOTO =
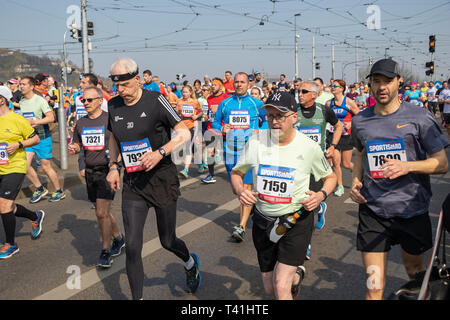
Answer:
(281, 174)
(445, 95)
(430, 93)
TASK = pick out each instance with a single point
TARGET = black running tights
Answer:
(134, 216)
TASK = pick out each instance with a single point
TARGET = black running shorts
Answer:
(376, 234)
(345, 143)
(97, 186)
(290, 249)
(10, 185)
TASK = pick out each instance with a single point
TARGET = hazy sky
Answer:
(208, 37)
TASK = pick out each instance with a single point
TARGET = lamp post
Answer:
(296, 36)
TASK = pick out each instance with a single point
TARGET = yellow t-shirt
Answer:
(13, 128)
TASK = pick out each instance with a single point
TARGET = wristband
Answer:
(333, 145)
(325, 194)
(111, 169)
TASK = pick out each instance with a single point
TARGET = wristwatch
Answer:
(325, 194)
(334, 145)
(162, 151)
(20, 145)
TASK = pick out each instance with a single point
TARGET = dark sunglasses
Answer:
(335, 86)
(89, 100)
(304, 91)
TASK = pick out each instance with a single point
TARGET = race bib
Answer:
(81, 112)
(314, 133)
(380, 150)
(29, 115)
(3, 154)
(275, 184)
(205, 109)
(132, 151)
(239, 119)
(93, 138)
(187, 110)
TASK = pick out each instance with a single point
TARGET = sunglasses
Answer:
(89, 100)
(335, 86)
(304, 91)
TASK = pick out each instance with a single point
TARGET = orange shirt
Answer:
(173, 99)
(187, 109)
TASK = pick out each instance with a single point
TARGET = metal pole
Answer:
(332, 60)
(62, 131)
(85, 37)
(313, 58)
(296, 45)
(65, 60)
(356, 58)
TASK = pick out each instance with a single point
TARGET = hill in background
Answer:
(15, 64)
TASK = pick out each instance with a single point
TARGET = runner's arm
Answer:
(32, 140)
(358, 172)
(437, 163)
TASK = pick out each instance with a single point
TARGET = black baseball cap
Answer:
(283, 101)
(251, 78)
(386, 67)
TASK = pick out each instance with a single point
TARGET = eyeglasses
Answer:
(335, 86)
(83, 101)
(277, 117)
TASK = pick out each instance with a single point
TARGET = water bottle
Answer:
(280, 227)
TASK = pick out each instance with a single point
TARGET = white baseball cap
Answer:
(6, 93)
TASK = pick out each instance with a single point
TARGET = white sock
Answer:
(189, 264)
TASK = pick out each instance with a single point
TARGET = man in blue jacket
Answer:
(241, 115)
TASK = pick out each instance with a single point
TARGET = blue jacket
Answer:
(236, 138)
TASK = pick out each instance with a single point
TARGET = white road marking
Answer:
(94, 276)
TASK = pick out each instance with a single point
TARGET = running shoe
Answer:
(339, 191)
(209, 179)
(201, 169)
(57, 195)
(36, 226)
(308, 253)
(184, 173)
(238, 233)
(205, 165)
(8, 250)
(105, 260)
(117, 246)
(193, 276)
(295, 289)
(321, 216)
(38, 195)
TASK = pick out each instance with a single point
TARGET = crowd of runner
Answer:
(283, 145)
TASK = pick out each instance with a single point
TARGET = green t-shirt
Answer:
(36, 108)
(281, 175)
(324, 97)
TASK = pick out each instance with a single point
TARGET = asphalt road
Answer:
(61, 263)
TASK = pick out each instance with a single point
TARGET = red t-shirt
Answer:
(213, 103)
(229, 88)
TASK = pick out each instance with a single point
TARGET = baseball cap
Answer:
(14, 81)
(5, 92)
(414, 83)
(283, 101)
(251, 78)
(41, 77)
(385, 67)
(257, 72)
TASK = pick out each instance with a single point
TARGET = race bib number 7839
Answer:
(380, 150)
